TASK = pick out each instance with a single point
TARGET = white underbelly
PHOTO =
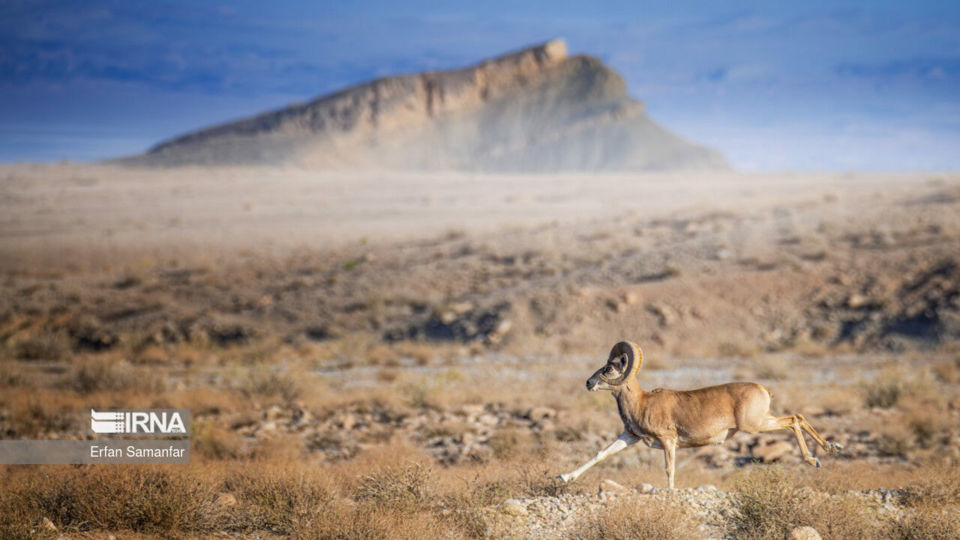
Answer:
(703, 441)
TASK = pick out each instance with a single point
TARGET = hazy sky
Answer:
(773, 85)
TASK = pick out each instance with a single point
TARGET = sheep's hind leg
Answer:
(793, 423)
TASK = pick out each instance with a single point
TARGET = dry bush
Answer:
(926, 522)
(403, 487)
(771, 367)
(631, 518)
(151, 500)
(884, 391)
(940, 486)
(268, 382)
(45, 346)
(286, 501)
(35, 412)
(895, 440)
(929, 423)
(214, 442)
(768, 505)
(539, 480)
(465, 503)
(99, 374)
(9, 374)
(948, 372)
(510, 442)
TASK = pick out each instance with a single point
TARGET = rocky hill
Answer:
(536, 109)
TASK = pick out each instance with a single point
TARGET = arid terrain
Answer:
(382, 354)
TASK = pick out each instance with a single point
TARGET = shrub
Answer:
(106, 375)
(281, 501)
(45, 346)
(398, 487)
(629, 518)
(768, 505)
(151, 500)
(884, 391)
(270, 383)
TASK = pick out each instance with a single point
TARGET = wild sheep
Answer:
(686, 418)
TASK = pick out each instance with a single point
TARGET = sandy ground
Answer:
(65, 205)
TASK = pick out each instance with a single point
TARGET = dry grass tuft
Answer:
(214, 442)
(150, 500)
(99, 374)
(926, 522)
(884, 391)
(280, 500)
(635, 519)
(403, 487)
(769, 504)
(269, 382)
(45, 346)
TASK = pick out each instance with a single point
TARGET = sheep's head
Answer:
(622, 366)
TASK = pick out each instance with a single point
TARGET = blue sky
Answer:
(773, 85)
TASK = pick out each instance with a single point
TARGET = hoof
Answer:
(816, 462)
(836, 447)
(562, 478)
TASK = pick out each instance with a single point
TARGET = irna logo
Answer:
(146, 421)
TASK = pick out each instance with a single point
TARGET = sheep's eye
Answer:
(608, 370)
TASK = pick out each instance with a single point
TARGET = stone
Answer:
(225, 500)
(274, 412)
(772, 452)
(48, 525)
(348, 421)
(856, 301)
(609, 486)
(539, 413)
(487, 419)
(513, 507)
(645, 488)
(471, 410)
(803, 533)
(707, 487)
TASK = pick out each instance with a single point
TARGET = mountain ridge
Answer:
(535, 109)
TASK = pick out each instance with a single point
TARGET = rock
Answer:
(772, 452)
(539, 413)
(487, 419)
(471, 410)
(667, 315)
(856, 301)
(707, 487)
(225, 500)
(513, 507)
(348, 421)
(48, 525)
(803, 533)
(460, 308)
(645, 488)
(503, 327)
(609, 486)
(274, 412)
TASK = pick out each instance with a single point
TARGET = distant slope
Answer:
(532, 110)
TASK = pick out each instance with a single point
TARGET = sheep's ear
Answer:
(620, 362)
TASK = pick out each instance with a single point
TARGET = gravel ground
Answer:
(555, 517)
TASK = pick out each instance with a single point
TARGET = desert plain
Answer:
(400, 354)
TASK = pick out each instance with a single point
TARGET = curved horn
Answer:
(634, 360)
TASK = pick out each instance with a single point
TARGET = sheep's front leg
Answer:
(669, 459)
(624, 440)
